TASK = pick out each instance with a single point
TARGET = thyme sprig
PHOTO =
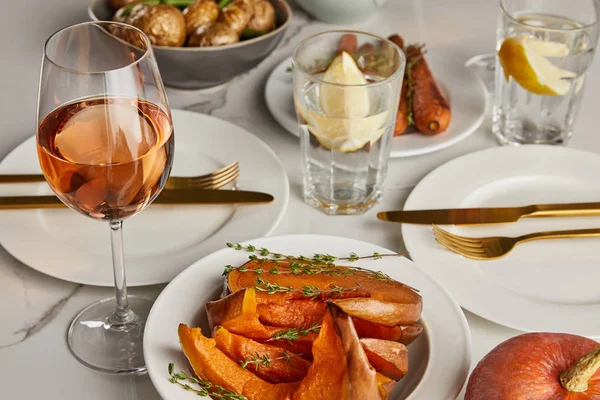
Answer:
(318, 258)
(271, 288)
(206, 388)
(311, 292)
(319, 263)
(295, 333)
(260, 361)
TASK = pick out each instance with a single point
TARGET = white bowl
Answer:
(341, 11)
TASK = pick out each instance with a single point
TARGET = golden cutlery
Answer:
(489, 248)
(213, 180)
(167, 196)
(480, 216)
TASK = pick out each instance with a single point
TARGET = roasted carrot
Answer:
(430, 109)
(402, 115)
(397, 40)
(347, 43)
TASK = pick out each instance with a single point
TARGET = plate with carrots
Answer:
(442, 101)
(306, 317)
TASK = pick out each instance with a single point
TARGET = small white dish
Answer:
(439, 359)
(466, 94)
(161, 241)
(547, 285)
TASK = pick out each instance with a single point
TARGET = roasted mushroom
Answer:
(200, 12)
(162, 23)
(217, 34)
(263, 19)
(116, 4)
(237, 14)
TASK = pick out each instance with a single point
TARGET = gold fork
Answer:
(213, 180)
(489, 248)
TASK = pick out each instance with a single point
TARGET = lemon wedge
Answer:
(344, 123)
(339, 101)
(525, 60)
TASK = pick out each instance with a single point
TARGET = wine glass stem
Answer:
(122, 314)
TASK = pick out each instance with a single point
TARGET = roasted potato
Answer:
(201, 12)
(163, 23)
(237, 14)
(217, 34)
(263, 19)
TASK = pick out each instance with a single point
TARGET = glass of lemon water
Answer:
(544, 51)
(346, 93)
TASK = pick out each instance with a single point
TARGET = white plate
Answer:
(439, 359)
(549, 285)
(465, 92)
(161, 241)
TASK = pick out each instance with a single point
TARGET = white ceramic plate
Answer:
(465, 92)
(549, 285)
(439, 359)
(162, 240)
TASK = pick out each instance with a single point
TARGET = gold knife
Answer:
(167, 196)
(21, 178)
(482, 216)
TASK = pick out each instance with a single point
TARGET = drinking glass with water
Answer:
(346, 92)
(544, 51)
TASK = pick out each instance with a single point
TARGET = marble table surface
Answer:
(35, 310)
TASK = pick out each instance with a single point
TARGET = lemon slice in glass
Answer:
(525, 60)
(345, 123)
(344, 102)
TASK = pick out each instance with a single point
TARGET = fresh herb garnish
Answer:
(265, 361)
(206, 388)
(302, 265)
(311, 292)
(223, 3)
(270, 288)
(295, 333)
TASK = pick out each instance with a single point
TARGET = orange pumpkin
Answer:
(211, 364)
(387, 357)
(239, 348)
(404, 334)
(327, 377)
(362, 281)
(538, 366)
(238, 314)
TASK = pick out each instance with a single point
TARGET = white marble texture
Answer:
(35, 310)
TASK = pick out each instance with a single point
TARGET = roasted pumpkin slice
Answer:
(292, 313)
(238, 314)
(237, 306)
(387, 357)
(282, 366)
(410, 333)
(370, 329)
(346, 280)
(404, 334)
(211, 364)
(362, 376)
(386, 385)
(327, 377)
(381, 312)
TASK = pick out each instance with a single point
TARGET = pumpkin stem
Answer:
(576, 378)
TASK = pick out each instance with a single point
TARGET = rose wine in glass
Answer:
(105, 145)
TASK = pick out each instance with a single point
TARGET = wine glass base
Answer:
(105, 346)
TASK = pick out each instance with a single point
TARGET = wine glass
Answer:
(105, 146)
